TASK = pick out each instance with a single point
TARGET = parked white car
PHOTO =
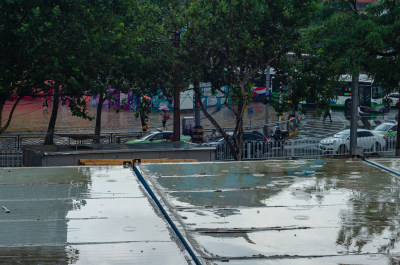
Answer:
(393, 99)
(340, 142)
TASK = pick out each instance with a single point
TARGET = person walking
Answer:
(165, 117)
(327, 113)
(45, 105)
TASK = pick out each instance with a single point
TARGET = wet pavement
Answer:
(320, 211)
(388, 164)
(85, 215)
(306, 211)
(29, 117)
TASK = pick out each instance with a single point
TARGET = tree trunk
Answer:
(354, 113)
(197, 107)
(52, 123)
(2, 103)
(177, 114)
(177, 92)
(239, 130)
(97, 129)
(143, 118)
(215, 123)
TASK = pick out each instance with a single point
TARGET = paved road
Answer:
(29, 116)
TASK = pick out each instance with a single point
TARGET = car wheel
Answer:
(342, 149)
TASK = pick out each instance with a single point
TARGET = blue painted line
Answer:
(381, 167)
(169, 220)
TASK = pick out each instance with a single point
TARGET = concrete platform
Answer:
(316, 211)
(46, 156)
(81, 215)
(307, 211)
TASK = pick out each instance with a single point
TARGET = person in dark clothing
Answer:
(45, 105)
(278, 133)
(327, 113)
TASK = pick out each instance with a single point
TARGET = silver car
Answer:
(340, 142)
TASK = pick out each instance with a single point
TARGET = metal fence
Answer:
(307, 147)
(19, 141)
(11, 146)
(10, 158)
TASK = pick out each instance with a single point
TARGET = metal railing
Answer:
(10, 158)
(11, 146)
(19, 141)
(306, 147)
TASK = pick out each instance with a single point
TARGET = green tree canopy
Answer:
(232, 41)
(17, 54)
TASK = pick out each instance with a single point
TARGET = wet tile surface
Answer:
(322, 211)
(85, 215)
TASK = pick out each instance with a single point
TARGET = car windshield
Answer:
(342, 135)
(383, 127)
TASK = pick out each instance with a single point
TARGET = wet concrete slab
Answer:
(316, 211)
(81, 215)
(392, 163)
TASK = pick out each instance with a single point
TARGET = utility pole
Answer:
(354, 113)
